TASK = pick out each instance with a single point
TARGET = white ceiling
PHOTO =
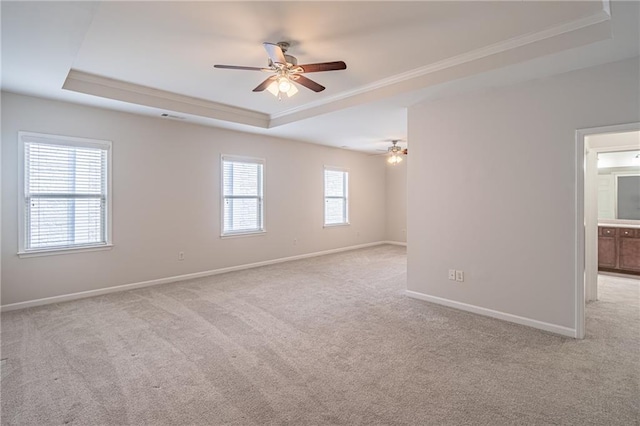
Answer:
(616, 141)
(157, 57)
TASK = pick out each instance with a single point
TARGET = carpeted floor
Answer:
(328, 340)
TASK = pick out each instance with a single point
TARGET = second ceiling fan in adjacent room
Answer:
(395, 152)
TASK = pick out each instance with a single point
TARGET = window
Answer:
(336, 205)
(242, 195)
(65, 196)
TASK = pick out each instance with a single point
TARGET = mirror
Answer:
(619, 186)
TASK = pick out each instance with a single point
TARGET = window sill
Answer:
(59, 251)
(335, 225)
(243, 234)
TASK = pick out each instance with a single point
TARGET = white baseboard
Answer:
(395, 243)
(125, 287)
(553, 328)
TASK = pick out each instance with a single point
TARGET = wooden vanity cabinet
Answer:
(619, 250)
(607, 250)
(629, 258)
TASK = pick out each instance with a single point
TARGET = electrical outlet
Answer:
(452, 274)
(181, 255)
(460, 276)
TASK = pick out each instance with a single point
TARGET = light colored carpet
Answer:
(329, 340)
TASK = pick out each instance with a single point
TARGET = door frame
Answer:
(586, 232)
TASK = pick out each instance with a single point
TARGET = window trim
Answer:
(24, 137)
(346, 197)
(242, 159)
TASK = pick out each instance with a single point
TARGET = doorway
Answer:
(590, 142)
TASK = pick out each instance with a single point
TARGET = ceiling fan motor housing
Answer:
(394, 148)
(291, 60)
(284, 45)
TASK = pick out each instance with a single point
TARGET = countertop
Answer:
(618, 225)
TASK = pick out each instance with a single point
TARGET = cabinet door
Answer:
(629, 254)
(607, 252)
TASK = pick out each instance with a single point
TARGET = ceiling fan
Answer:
(286, 71)
(395, 152)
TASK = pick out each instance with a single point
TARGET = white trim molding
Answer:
(132, 286)
(586, 260)
(396, 243)
(345, 195)
(553, 328)
(106, 147)
(261, 190)
(91, 84)
(480, 53)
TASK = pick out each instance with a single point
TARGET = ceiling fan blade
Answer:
(235, 67)
(265, 84)
(309, 84)
(275, 53)
(324, 66)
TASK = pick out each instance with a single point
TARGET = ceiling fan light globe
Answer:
(284, 85)
(273, 88)
(292, 91)
(394, 159)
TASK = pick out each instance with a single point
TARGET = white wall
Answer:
(166, 199)
(397, 201)
(495, 193)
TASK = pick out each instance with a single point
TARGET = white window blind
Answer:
(242, 195)
(65, 194)
(336, 205)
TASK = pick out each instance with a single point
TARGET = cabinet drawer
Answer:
(628, 232)
(608, 232)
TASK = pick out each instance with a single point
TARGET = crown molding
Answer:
(483, 52)
(91, 84)
(96, 85)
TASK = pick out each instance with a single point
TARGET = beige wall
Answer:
(495, 193)
(166, 199)
(397, 201)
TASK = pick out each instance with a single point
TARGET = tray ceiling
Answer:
(151, 57)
